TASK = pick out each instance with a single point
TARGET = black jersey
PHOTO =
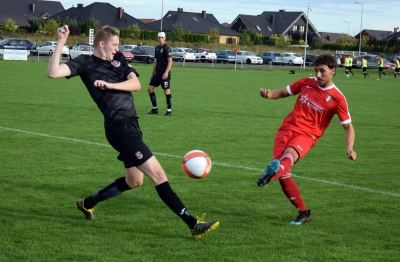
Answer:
(115, 105)
(162, 53)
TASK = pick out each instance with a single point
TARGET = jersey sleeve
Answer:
(127, 67)
(343, 112)
(295, 88)
(76, 65)
(167, 52)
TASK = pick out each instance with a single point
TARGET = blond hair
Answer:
(104, 34)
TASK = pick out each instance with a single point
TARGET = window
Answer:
(269, 29)
(259, 29)
(195, 19)
(302, 28)
(294, 28)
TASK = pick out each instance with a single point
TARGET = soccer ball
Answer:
(196, 164)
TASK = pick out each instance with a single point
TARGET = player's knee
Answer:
(134, 183)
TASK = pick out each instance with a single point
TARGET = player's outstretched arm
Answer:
(274, 94)
(130, 85)
(350, 137)
(54, 69)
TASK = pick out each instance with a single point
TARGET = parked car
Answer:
(129, 47)
(80, 50)
(372, 62)
(47, 48)
(143, 54)
(183, 53)
(310, 59)
(205, 55)
(225, 56)
(128, 55)
(16, 44)
(390, 58)
(248, 58)
(271, 58)
(291, 58)
(342, 57)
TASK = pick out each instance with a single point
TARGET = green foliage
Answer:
(54, 151)
(34, 22)
(213, 35)
(316, 43)
(49, 28)
(134, 31)
(280, 41)
(10, 25)
(345, 39)
(176, 34)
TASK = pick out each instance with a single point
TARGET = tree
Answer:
(9, 25)
(34, 22)
(213, 35)
(345, 39)
(176, 33)
(134, 31)
(316, 43)
(280, 41)
(49, 28)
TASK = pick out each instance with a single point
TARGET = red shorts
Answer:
(287, 138)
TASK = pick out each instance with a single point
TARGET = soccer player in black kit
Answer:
(161, 74)
(110, 79)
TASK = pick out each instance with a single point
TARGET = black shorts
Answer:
(380, 69)
(397, 70)
(348, 68)
(126, 138)
(157, 80)
(364, 69)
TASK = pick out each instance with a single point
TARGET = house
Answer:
(377, 34)
(198, 24)
(280, 23)
(327, 37)
(105, 13)
(203, 14)
(20, 11)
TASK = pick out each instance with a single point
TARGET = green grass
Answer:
(53, 151)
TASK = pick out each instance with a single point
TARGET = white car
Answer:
(205, 55)
(248, 58)
(183, 53)
(47, 48)
(77, 50)
(129, 47)
(290, 58)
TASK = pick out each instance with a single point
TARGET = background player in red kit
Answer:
(318, 101)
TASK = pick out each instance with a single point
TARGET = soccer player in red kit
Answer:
(318, 101)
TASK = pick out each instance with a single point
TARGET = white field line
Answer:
(214, 162)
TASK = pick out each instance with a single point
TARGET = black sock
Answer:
(153, 99)
(169, 101)
(115, 188)
(171, 199)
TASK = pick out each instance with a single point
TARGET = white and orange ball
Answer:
(196, 164)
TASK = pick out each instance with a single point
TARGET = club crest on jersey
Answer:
(328, 98)
(139, 155)
(116, 63)
(161, 51)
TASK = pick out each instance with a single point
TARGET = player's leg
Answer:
(347, 71)
(165, 84)
(154, 82)
(156, 173)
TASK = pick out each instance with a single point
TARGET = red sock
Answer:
(292, 192)
(286, 163)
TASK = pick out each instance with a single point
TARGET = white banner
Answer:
(15, 54)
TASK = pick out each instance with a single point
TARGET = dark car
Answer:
(271, 58)
(17, 44)
(225, 56)
(390, 58)
(143, 54)
(310, 59)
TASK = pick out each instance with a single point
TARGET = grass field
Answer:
(53, 152)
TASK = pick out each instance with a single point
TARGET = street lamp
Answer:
(309, 8)
(162, 12)
(360, 36)
(193, 10)
(348, 24)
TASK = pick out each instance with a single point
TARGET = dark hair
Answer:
(325, 59)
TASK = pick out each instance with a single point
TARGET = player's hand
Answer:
(102, 84)
(165, 76)
(63, 32)
(352, 155)
(266, 93)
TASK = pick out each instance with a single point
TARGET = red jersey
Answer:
(315, 107)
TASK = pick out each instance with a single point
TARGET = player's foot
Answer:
(271, 169)
(89, 213)
(203, 227)
(303, 217)
(169, 113)
(153, 111)
(378, 79)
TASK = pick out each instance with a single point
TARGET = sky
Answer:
(335, 16)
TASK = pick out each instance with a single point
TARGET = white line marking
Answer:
(214, 163)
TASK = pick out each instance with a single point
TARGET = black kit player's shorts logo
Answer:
(139, 155)
(116, 63)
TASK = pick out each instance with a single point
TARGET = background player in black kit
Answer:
(110, 79)
(161, 74)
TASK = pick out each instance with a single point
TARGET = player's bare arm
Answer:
(55, 70)
(274, 94)
(350, 137)
(130, 85)
(165, 75)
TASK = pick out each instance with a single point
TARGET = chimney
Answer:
(203, 14)
(272, 19)
(282, 10)
(395, 29)
(32, 7)
(80, 5)
(180, 10)
(120, 12)
(328, 37)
